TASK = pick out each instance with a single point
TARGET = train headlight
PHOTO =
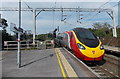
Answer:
(101, 47)
(81, 46)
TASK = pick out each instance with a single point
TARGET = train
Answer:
(83, 43)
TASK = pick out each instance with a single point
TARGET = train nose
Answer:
(92, 53)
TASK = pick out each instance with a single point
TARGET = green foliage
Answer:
(97, 25)
(3, 22)
(99, 33)
(118, 32)
(43, 37)
(104, 33)
(6, 36)
(102, 29)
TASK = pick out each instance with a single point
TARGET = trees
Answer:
(106, 25)
(4, 35)
(3, 23)
(102, 29)
(101, 25)
(97, 25)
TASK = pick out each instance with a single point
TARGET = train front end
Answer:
(89, 46)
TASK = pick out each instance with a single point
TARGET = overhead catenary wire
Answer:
(109, 7)
(54, 13)
(69, 23)
(95, 14)
(114, 5)
(104, 4)
(27, 5)
(98, 12)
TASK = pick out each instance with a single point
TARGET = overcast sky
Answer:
(48, 21)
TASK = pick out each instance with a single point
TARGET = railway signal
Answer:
(14, 29)
(20, 30)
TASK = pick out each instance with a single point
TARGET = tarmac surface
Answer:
(54, 63)
(35, 63)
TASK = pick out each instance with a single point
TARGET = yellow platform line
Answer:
(60, 64)
(70, 71)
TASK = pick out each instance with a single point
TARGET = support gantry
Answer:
(110, 11)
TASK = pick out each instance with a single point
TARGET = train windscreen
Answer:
(86, 34)
(86, 37)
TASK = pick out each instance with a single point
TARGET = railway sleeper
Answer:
(103, 75)
(97, 71)
(93, 68)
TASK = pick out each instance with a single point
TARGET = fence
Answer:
(12, 45)
(24, 45)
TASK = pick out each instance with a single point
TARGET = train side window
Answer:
(66, 36)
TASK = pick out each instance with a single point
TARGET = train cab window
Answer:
(85, 34)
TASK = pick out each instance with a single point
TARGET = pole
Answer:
(19, 52)
(114, 26)
(1, 43)
(34, 26)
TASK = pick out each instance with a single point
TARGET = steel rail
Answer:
(99, 71)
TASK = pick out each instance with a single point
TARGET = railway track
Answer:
(112, 64)
(102, 72)
(97, 70)
(112, 59)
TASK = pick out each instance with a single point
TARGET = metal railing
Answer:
(13, 45)
(9, 45)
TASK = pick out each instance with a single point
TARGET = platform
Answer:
(41, 63)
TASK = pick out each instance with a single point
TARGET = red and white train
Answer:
(84, 44)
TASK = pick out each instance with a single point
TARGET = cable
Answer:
(54, 13)
(27, 5)
(69, 23)
(98, 7)
(104, 3)
(94, 15)
(115, 5)
(102, 6)
(68, 16)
